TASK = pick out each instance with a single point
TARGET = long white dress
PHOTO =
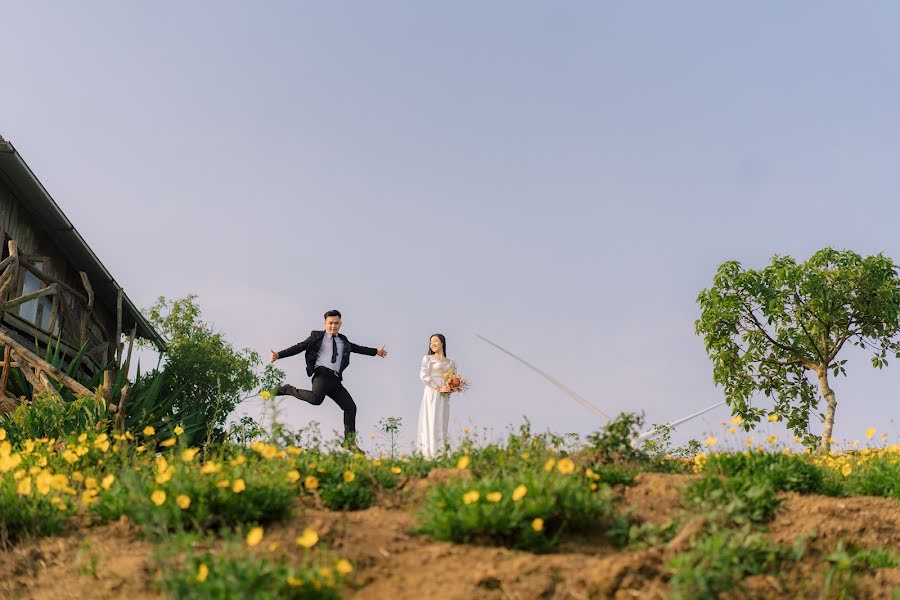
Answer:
(434, 414)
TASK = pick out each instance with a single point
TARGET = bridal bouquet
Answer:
(455, 382)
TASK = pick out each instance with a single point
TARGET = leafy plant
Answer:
(530, 511)
(615, 442)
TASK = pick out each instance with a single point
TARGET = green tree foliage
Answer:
(768, 330)
(207, 376)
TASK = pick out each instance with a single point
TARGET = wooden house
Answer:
(53, 288)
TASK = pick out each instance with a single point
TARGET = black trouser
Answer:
(326, 383)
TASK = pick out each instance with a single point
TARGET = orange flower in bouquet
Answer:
(455, 382)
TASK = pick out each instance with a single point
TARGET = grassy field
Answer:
(104, 515)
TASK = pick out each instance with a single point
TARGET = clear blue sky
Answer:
(561, 177)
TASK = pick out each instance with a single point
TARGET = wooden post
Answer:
(120, 418)
(118, 338)
(82, 331)
(7, 358)
(130, 347)
(107, 386)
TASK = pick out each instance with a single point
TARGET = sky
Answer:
(562, 178)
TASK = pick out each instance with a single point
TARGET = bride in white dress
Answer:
(435, 410)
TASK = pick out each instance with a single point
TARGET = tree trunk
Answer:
(830, 406)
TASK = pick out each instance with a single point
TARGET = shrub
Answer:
(237, 573)
(718, 561)
(615, 442)
(734, 500)
(30, 515)
(49, 416)
(786, 472)
(173, 495)
(546, 505)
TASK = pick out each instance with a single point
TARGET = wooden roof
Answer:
(62, 233)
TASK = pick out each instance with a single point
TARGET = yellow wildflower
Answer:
(493, 497)
(565, 466)
(140, 448)
(308, 538)
(870, 432)
(24, 487)
(293, 581)
(169, 442)
(311, 482)
(178, 430)
(202, 573)
(396, 470)
(238, 486)
(255, 536)
(265, 394)
(90, 483)
(737, 420)
(711, 441)
(189, 454)
(158, 497)
(537, 524)
(846, 470)
(293, 476)
(343, 567)
(772, 439)
(548, 466)
(183, 502)
(471, 497)
(223, 483)
(238, 460)
(774, 417)
(210, 468)
(526, 455)
(349, 476)
(519, 493)
(2, 434)
(732, 429)
(149, 430)
(463, 462)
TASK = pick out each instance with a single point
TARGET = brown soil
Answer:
(393, 562)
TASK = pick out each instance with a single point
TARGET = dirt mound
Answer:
(393, 561)
(655, 497)
(100, 563)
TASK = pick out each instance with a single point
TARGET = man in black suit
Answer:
(327, 355)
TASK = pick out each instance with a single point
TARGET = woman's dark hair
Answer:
(441, 337)
(333, 313)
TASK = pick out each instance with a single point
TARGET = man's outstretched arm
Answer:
(292, 350)
(382, 352)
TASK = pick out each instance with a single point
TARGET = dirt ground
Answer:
(393, 562)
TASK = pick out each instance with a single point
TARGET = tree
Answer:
(207, 375)
(768, 330)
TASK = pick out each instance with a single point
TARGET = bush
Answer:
(237, 573)
(876, 476)
(349, 495)
(30, 515)
(173, 495)
(734, 500)
(718, 561)
(49, 416)
(786, 472)
(490, 510)
(615, 442)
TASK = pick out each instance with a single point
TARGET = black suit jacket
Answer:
(312, 344)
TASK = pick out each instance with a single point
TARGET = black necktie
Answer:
(333, 350)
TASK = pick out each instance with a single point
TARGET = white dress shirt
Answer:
(325, 351)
